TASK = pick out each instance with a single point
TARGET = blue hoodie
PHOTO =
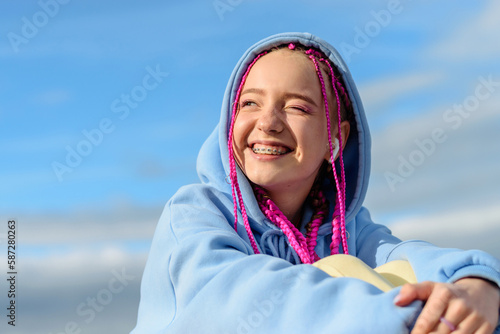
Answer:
(203, 277)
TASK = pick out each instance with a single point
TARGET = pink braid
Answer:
(340, 198)
(336, 83)
(232, 166)
(317, 220)
(341, 87)
(274, 214)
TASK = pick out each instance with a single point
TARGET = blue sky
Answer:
(73, 71)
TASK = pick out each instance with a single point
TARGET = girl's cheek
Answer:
(239, 136)
(242, 127)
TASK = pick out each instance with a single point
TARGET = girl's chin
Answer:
(264, 182)
(270, 183)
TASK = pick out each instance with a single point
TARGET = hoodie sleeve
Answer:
(375, 245)
(201, 277)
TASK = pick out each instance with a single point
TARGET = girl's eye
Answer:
(248, 103)
(300, 109)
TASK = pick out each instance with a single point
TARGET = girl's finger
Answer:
(434, 309)
(456, 312)
(412, 292)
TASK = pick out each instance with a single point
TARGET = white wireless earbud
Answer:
(336, 148)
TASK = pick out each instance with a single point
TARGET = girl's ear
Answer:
(345, 128)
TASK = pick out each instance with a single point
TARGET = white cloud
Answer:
(463, 170)
(121, 221)
(59, 288)
(475, 39)
(399, 136)
(383, 90)
(471, 220)
(80, 266)
(471, 228)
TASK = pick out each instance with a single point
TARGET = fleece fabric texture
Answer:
(203, 277)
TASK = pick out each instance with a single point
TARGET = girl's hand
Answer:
(470, 305)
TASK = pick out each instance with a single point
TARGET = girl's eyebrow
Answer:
(254, 90)
(286, 95)
(301, 97)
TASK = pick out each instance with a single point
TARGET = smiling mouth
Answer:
(270, 150)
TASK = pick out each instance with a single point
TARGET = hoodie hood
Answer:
(356, 153)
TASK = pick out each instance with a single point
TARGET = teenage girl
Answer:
(283, 178)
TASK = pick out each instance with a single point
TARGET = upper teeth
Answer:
(268, 150)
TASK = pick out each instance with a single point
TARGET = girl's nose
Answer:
(270, 120)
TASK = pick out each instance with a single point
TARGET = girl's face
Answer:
(280, 133)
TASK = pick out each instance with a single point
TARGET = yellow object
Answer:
(385, 277)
